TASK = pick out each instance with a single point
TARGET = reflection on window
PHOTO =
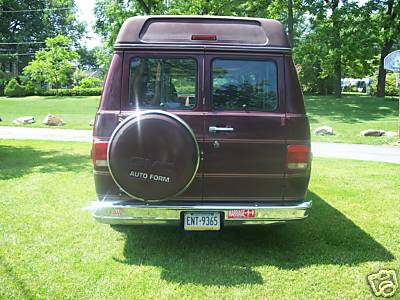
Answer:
(244, 84)
(162, 83)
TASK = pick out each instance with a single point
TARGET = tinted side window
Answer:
(244, 84)
(162, 83)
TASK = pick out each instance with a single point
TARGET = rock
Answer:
(372, 132)
(24, 120)
(390, 133)
(52, 120)
(91, 123)
(323, 130)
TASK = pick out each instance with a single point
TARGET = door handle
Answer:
(220, 129)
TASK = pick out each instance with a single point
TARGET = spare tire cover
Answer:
(153, 156)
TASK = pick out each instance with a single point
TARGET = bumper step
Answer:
(134, 213)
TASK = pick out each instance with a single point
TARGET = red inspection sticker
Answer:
(241, 214)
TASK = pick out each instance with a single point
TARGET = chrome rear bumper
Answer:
(132, 213)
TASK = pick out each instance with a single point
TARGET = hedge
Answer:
(72, 92)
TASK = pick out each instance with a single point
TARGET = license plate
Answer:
(201, 221)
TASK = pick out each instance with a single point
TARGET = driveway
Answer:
(50, 134)
(390, 154)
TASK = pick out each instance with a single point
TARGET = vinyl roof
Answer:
(179, 30)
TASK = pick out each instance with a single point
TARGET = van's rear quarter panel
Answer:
(106, 121)
(297, 131)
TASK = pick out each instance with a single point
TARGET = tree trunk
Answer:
(290, 22)
(205, 10)
(380, 87)
(338, 76)
(146, 8)
(337, 46)
(387, 46)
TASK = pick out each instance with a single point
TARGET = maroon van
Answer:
(201, 123)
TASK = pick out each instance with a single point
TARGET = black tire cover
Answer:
(153, 156)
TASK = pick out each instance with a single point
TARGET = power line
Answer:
(33, 10)
(18, 43)
(17, 54)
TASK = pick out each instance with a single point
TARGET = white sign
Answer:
(392, 61)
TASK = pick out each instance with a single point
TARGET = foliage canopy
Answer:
(55, 64)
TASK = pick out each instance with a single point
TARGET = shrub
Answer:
(390, 85)
(31, 87)
(15, 89)
(4, 79)
(89, 82)
(73, 92)
(77, 76)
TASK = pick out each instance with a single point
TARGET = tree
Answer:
(293, 17)
(29, 23)
(87, 59)
(110, 15)
(340, 42)
(389, 22)
(290, 21)
(54, 64)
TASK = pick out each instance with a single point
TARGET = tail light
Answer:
(298, 157)
(99, 153)
(204, 37)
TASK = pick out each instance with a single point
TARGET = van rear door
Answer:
(170, 81)
(244, 144)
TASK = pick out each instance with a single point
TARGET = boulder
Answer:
(390, 133)
(52, 120)
(323, 130)
(24, 120)
(372, 132)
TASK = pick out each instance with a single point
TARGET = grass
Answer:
(51, 248)
(77, 112)
(348, 115)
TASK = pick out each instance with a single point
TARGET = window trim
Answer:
(194, 58)
(238, 58)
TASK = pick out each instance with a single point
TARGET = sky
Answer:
(85, 13)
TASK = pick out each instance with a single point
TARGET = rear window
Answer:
(244, 84)
(163, 83)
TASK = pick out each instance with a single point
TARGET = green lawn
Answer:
(77, 112)
(51, 248)
(348, 115)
